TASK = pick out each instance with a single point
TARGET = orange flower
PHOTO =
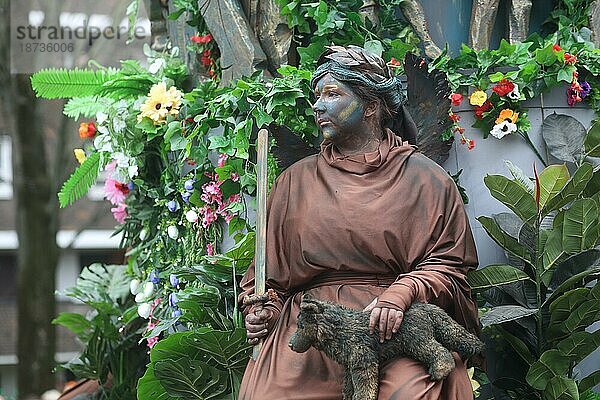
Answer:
(507, 114)
(87, 130)
(394, 63)
(570, 58)
(471, 145)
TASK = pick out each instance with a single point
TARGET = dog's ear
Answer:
(309, 307)
(307, 296)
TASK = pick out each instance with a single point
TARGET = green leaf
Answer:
(190, 379)
(517, 344)
(507, 242)
(513, 196)
(580, 227)
(87, 106)
(520, 177)
(149, 387)
(177, 142)
(579, 345)
(565, 74)
(572, 189)
(589, 381)
(561, 388)
(545, 56)
(502, 314)
(584, 315)
(552, 179)
(552, 363)
(74, 322)
(62, 83)
(574, 265)
(261, 117)
(592, 141)
(563, 307)
(494, 275)
(564, 136)
(80, 181)
(374, 46)
(575, 280)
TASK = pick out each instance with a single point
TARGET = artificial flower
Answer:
(160, 103)
(173, 232)
(503, 128)
(456, 99)
(585, 89)
(152, 341)
(459, 129)
(191, 216)
(144, 310)
(201, 39)
(570, 58)
(143, 234)
(206, 59)
(474, 384)
(573, 96)
(485, 107)
(503, 87)
(119, 213)
(222, 160)
(176, 313)
(80, 155)
(507, 114)
(148, 289)
(471, 145)
(154, 278)
(173, 205)
(134, 286)
(478, 97)
(115, 191)
(87, 130)
(556, 48)
(514, 94)
(174, 280)
(186, 197)
(140, 297)
(395, 63)
(173, 300)
(189, 185)
(454, 117)
(157, 65)
(210, 250)
(235, 176)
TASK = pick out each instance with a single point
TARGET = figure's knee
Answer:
(404, 379)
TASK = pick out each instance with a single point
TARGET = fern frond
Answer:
(86, 106)
(126, 86)
(80, 181)
(66, 83)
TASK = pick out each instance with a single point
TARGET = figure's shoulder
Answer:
(427, 169)
(300, 167)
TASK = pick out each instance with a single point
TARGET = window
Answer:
(6, 190)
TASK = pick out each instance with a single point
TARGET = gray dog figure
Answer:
(427, 334)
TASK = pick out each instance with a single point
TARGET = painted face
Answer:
(339, 112)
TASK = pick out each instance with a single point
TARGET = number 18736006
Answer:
(40, 47)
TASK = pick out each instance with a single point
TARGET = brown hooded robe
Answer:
(388, 224)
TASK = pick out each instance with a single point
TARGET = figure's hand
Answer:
(257, 324)
(387, 319)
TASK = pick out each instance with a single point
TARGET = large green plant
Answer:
(542, 303)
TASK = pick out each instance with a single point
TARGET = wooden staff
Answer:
(262, 148)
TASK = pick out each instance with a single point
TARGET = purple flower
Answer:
(189, 184)
(173, 300)
(186, 196)
(176, 313)
(131, 185)
(154, 277)
(585, 89)
(174, 280)
(173, 205)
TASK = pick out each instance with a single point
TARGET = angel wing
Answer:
(289, 147)
(428, 104)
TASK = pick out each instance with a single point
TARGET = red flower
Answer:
(556, 48)
(394, 62)
(456, 99)
(570, 58)
(485, 107)
(206, 59)
(454, 117)
(201, 39)
(471, 145)
(459, 129)
(504, 87)
(87, 130)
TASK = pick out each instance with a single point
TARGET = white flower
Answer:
(148, 289)
(156, 65)
(143, 234)
(140, 297)
(191, 216)
(134, 286)
(514, 95)
(173, 232)
(144, 310)
(132, 170)
(102, 143)
(502, 129)
(100, 117)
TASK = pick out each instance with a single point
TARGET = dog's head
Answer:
(311, 313)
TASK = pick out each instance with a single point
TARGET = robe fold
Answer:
(390, 225)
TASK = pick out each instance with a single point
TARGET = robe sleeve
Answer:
(438, 275)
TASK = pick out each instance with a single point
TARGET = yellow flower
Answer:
(477, 98)
(160, 103)
(474, 384)
(80, 155)
(507, 114)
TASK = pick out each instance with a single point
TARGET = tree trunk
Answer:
(36, 214)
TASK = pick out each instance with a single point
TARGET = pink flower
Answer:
(152, 341)
(229, 217)
(234, 198)
(235, 176)
(222, 160)
(208, 216)
(120, 213)
(211, 193)
(210, 250)
(111, 166)
(115, 191)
